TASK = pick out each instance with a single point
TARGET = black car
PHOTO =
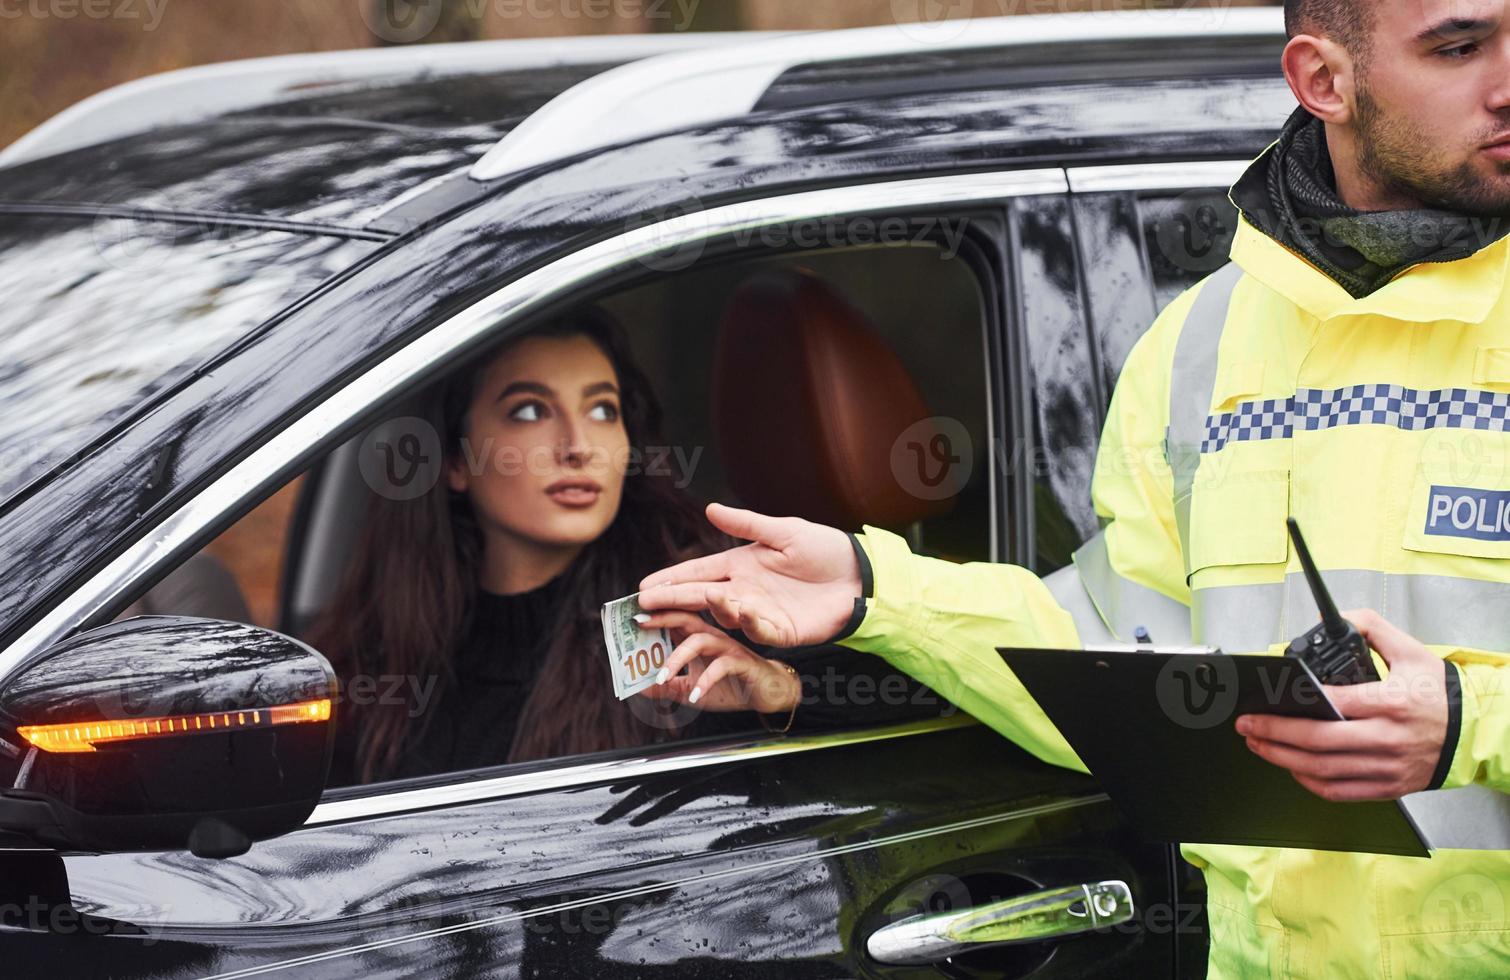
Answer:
(225, 280)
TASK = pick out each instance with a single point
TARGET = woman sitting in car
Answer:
(484, 592)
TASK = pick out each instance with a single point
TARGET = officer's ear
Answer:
(1322, 75)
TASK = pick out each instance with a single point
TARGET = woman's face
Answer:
(545, 449)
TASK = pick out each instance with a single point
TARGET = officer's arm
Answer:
(942, 622)
(1483, 748)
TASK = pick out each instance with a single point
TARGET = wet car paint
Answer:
(334, 158)
(103, 313)
(770, 868)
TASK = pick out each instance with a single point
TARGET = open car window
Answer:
(759, 365)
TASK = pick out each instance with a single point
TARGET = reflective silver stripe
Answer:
(1122, 604)
(1192, 379)
(379, 801)
(1435, 609)
(1474, 818)
(1067, 589)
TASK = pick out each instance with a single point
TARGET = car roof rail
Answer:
(189, 94)
(680, 91)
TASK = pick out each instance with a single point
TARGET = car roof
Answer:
(330, 139)
(345, 140)
(206, 91)
(332, 159)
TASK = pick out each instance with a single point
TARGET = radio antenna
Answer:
(1336, 626)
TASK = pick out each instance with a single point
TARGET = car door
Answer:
(779, 859)
(1147, 233)
(733, 856)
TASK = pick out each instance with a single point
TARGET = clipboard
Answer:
(1156, 728)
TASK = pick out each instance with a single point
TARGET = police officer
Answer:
(1350, 366)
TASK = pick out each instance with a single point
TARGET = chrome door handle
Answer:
(1050, 914)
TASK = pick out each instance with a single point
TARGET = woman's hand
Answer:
(723, 674)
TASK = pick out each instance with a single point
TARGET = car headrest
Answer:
(327, 523)
(809, 404)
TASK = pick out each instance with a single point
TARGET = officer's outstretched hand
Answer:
(794, 585)
(1392, 739)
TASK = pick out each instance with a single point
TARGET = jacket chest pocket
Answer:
(1459, 504)
(1237, 518)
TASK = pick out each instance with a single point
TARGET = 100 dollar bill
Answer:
(635, 655)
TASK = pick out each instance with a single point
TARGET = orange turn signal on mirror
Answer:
(84, 736)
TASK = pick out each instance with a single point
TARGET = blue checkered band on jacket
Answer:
(1314, 408)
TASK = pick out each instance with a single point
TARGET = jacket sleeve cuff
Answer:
(1454, 686)
(886, 579)
(867, 574)
(867, 589)
(1480, 756)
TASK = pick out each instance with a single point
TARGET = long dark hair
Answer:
(407, 599)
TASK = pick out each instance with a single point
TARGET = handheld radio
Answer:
(1334, 650)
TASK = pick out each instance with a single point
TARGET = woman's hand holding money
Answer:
(794, 585)
(722, 673)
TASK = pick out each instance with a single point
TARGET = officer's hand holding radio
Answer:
(1392, 739)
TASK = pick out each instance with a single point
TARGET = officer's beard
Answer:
(1398, 157)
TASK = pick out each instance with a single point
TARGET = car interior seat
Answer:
(326, 524)
(200, 586)
(809, 403)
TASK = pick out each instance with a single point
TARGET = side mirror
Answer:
(167, 732)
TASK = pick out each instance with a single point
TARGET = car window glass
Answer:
(919, 307)
(1142, 249)
(101, 315)
(1188, 236)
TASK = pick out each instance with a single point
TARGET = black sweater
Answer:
(471, 723)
